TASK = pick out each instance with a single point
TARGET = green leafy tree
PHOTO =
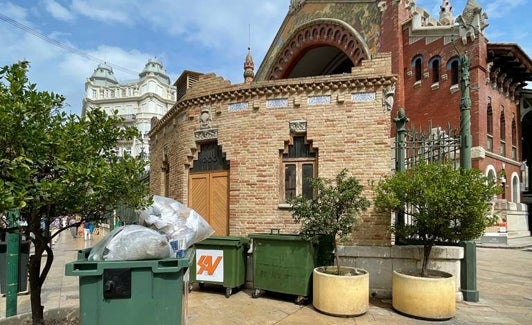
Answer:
(446, 204)
(332, 211)
(55, 164)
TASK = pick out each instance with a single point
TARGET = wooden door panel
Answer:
(219, 205)
(198, 195)
(209, 196)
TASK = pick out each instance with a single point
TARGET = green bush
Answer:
(447, 204)
(332, 211)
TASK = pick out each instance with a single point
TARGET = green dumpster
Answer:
(23, 259)
(284, 263)
(132, 292)
(220, 260)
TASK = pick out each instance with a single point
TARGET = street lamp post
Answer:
(465, 114)
(13, 245)
(468, 273)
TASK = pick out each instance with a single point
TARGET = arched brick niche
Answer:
(314, 35)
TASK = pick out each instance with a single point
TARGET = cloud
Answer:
(218, 25)
(104, 11)
(58, 11)
(13, 11)
(501, 8)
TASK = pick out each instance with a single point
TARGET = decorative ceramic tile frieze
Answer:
(298, 126)
(206, 134)
(319, 100)
(277, 103)
(363, 97)
(237, 107)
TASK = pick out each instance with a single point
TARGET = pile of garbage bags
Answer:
(166, 229)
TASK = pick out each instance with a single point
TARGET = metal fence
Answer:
(434, 145)
(437, 144)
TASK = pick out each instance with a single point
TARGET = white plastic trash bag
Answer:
(131, 242)
(182, 225)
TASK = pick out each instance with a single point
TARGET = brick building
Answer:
(324, 98)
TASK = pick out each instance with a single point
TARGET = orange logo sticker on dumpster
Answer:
(209, 265)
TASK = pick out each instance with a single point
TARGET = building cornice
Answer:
(130, 99)
(279, 88)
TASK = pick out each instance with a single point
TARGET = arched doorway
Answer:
(320, 47)
(208, 187)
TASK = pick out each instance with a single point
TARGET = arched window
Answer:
(434, 65)
(417, 62)
(516, 197)
(502, 128)
(491, 174)
(489, 127)
(452, 67)
(299, 166)
(514, 139)
(489, 119)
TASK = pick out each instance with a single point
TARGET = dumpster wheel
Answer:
(301, 300)
(228, 292)
(256, 293)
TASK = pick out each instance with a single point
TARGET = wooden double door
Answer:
(208, 194)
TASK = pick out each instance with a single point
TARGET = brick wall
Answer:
(350, 134)
(439, 105)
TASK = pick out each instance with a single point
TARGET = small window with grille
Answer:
(299, 167)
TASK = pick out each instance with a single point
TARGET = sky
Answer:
(65, 40)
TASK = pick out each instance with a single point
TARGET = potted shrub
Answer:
(332, 211)
(446, 205)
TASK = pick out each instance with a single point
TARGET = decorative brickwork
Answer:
(322, 32)
(348, 134)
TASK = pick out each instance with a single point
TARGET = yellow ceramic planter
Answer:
(431, 298)
(341, 295)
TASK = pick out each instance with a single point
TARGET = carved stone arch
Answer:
(315, 34)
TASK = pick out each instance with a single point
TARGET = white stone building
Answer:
(137, 101)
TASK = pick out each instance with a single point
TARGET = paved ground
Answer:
(504, 282)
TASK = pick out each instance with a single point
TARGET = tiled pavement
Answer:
(504, 283)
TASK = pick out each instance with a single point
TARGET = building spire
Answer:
(249, 66)
(446, 15)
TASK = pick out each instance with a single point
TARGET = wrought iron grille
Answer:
(435, 145)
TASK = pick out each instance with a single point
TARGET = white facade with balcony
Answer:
(137, 101)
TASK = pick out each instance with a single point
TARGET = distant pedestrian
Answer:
(118, 223)
(55, 226)
(73, 229)
(87, 233)
(91, 229)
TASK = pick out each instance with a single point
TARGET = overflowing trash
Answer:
(131, 242)
(167, 228)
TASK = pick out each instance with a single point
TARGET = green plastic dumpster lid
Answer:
(276, 236)
(224, 241)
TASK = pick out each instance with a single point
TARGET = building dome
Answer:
(103, 74)
(155, 67)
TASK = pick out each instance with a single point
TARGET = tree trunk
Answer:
(426, 254)
(37, 310)
(36, 276)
